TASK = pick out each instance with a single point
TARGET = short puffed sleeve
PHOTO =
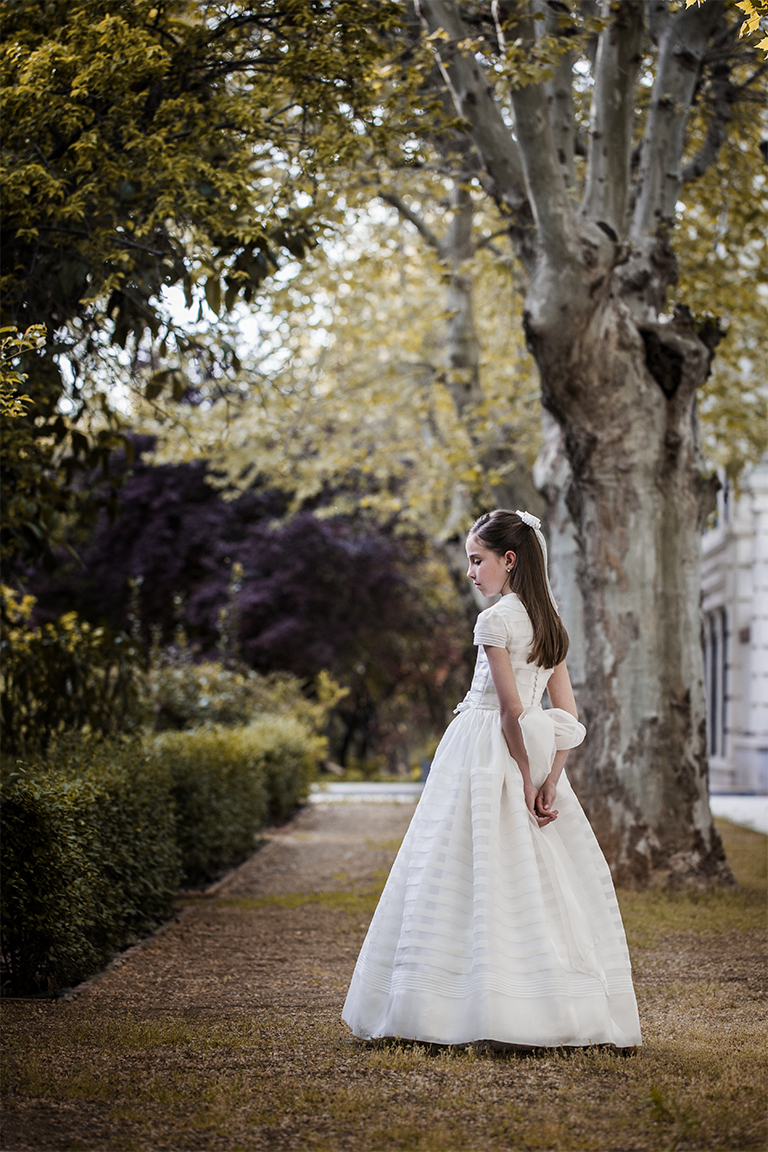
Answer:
(491, 628)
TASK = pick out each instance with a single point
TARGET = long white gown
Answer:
(489, 927)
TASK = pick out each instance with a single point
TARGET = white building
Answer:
(735, 604)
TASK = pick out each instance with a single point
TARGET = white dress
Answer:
(489, 927)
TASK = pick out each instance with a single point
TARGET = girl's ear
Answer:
(509, 560)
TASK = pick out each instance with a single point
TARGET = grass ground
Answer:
(224, 1033)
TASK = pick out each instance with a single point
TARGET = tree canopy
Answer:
(148, 145)
(342, 395)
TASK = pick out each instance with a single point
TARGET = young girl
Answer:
(499, 920)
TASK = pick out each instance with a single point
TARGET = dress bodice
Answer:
(505, 624)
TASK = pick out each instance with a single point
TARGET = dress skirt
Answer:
(489, 927)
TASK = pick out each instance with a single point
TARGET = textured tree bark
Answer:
(620, 380)
(462, 359)
(637, 495)
(552, 477)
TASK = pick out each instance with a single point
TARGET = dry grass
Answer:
(206, 1074)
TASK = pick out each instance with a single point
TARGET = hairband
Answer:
(534, 522)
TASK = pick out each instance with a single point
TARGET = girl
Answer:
(499, 920)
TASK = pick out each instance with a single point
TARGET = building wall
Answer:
(735, 634)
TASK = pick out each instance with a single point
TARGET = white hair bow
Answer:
(529, 519)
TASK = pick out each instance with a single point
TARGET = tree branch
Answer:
(462, 359)
(681, 52)
(475, 102)
(716, 133)
(552, 209)
(613, 106)
(412, 217)
(488, 241)
(724, 95)
(458, 245)
(560, 97)
(657, 17)
(590, 10)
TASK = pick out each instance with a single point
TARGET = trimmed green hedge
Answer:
(229, 782)
(89, 858)
(96, 838)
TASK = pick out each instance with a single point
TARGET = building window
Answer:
(716, 674)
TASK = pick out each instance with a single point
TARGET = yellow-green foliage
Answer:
(228, 782)
(12, 402)
(186, 695)
(89, 856)
(374, 402)
(755, 13)
(65, 675)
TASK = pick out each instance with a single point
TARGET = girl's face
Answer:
(488, 571)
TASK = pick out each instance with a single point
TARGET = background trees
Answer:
(311, 594)
(152, 145)
(372, 385)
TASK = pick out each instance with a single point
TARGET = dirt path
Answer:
(248, 945)
(223, 1033)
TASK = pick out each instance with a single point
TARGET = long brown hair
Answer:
(503, 531)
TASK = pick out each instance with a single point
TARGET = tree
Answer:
(613, 112)
(146, 145)
(618, 375)
(347, 386)
(335, 594)
(355, 394)
(361, 399)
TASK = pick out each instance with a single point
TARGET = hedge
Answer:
(228, 782)
(89, 858)
(96, 838)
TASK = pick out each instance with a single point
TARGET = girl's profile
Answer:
(499, 920)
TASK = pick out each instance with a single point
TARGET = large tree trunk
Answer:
(620, 381)
(552, 477)
(637, 496)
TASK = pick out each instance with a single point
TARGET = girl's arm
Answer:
(511, 710)
(561, 696)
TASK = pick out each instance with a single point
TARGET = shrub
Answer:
(188, 695)
(228, 782)
(89, 858)
(63, 676)
(375, 606)
(288, 755)
(96, 835)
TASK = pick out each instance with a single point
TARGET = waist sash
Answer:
(546, 732)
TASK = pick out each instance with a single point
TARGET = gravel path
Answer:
(247, 945)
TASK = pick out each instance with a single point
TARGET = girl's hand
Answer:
(545, 798)
(531, 801)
